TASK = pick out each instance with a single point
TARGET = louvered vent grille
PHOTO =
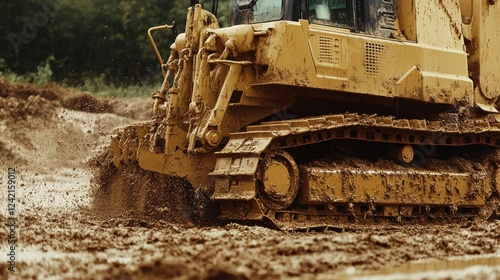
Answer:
(329, 50)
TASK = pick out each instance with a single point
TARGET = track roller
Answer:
(278, 180)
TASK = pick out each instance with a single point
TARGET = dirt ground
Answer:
(50, 134)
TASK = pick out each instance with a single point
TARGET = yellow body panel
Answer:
(365, 65)
(483, 37)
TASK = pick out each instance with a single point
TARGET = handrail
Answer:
(226, 61)
(155, 28)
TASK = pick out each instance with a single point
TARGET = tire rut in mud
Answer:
(134, 192)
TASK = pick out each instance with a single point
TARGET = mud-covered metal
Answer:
(258, 113)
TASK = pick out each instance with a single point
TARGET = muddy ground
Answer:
(50, 134)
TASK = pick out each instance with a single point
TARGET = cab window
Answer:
(332, 12)
(253, 11)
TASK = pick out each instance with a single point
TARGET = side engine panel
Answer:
(341, 61)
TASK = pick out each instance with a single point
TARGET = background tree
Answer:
(90, 39)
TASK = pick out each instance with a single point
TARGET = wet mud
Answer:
(67, 229)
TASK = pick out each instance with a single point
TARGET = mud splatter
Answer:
(63, 235)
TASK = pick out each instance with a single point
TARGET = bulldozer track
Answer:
(236, 173)
(452, 132)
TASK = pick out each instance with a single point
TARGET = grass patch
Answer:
(96, 85)
(100, 88)
(126, 92)
(42, 75)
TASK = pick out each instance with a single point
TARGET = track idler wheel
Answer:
(278, 180)
(405, 154)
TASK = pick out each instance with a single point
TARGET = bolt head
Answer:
(213, 138)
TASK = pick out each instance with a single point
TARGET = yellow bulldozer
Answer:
(310, 114)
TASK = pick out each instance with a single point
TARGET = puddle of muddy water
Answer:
(481, 267)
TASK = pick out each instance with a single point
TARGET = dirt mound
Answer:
(132, 191)
(29, 99)
(16, 109)
(133, 108)
(86, 103)
(44, 122)
(68, 98)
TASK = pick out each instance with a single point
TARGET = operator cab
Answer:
(375, 17)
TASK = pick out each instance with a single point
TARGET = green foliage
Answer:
(98, 42)
(42, 75)
(43, 72)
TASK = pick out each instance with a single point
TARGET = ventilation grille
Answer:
(329, 51)
(372, 58)
(360, 12)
